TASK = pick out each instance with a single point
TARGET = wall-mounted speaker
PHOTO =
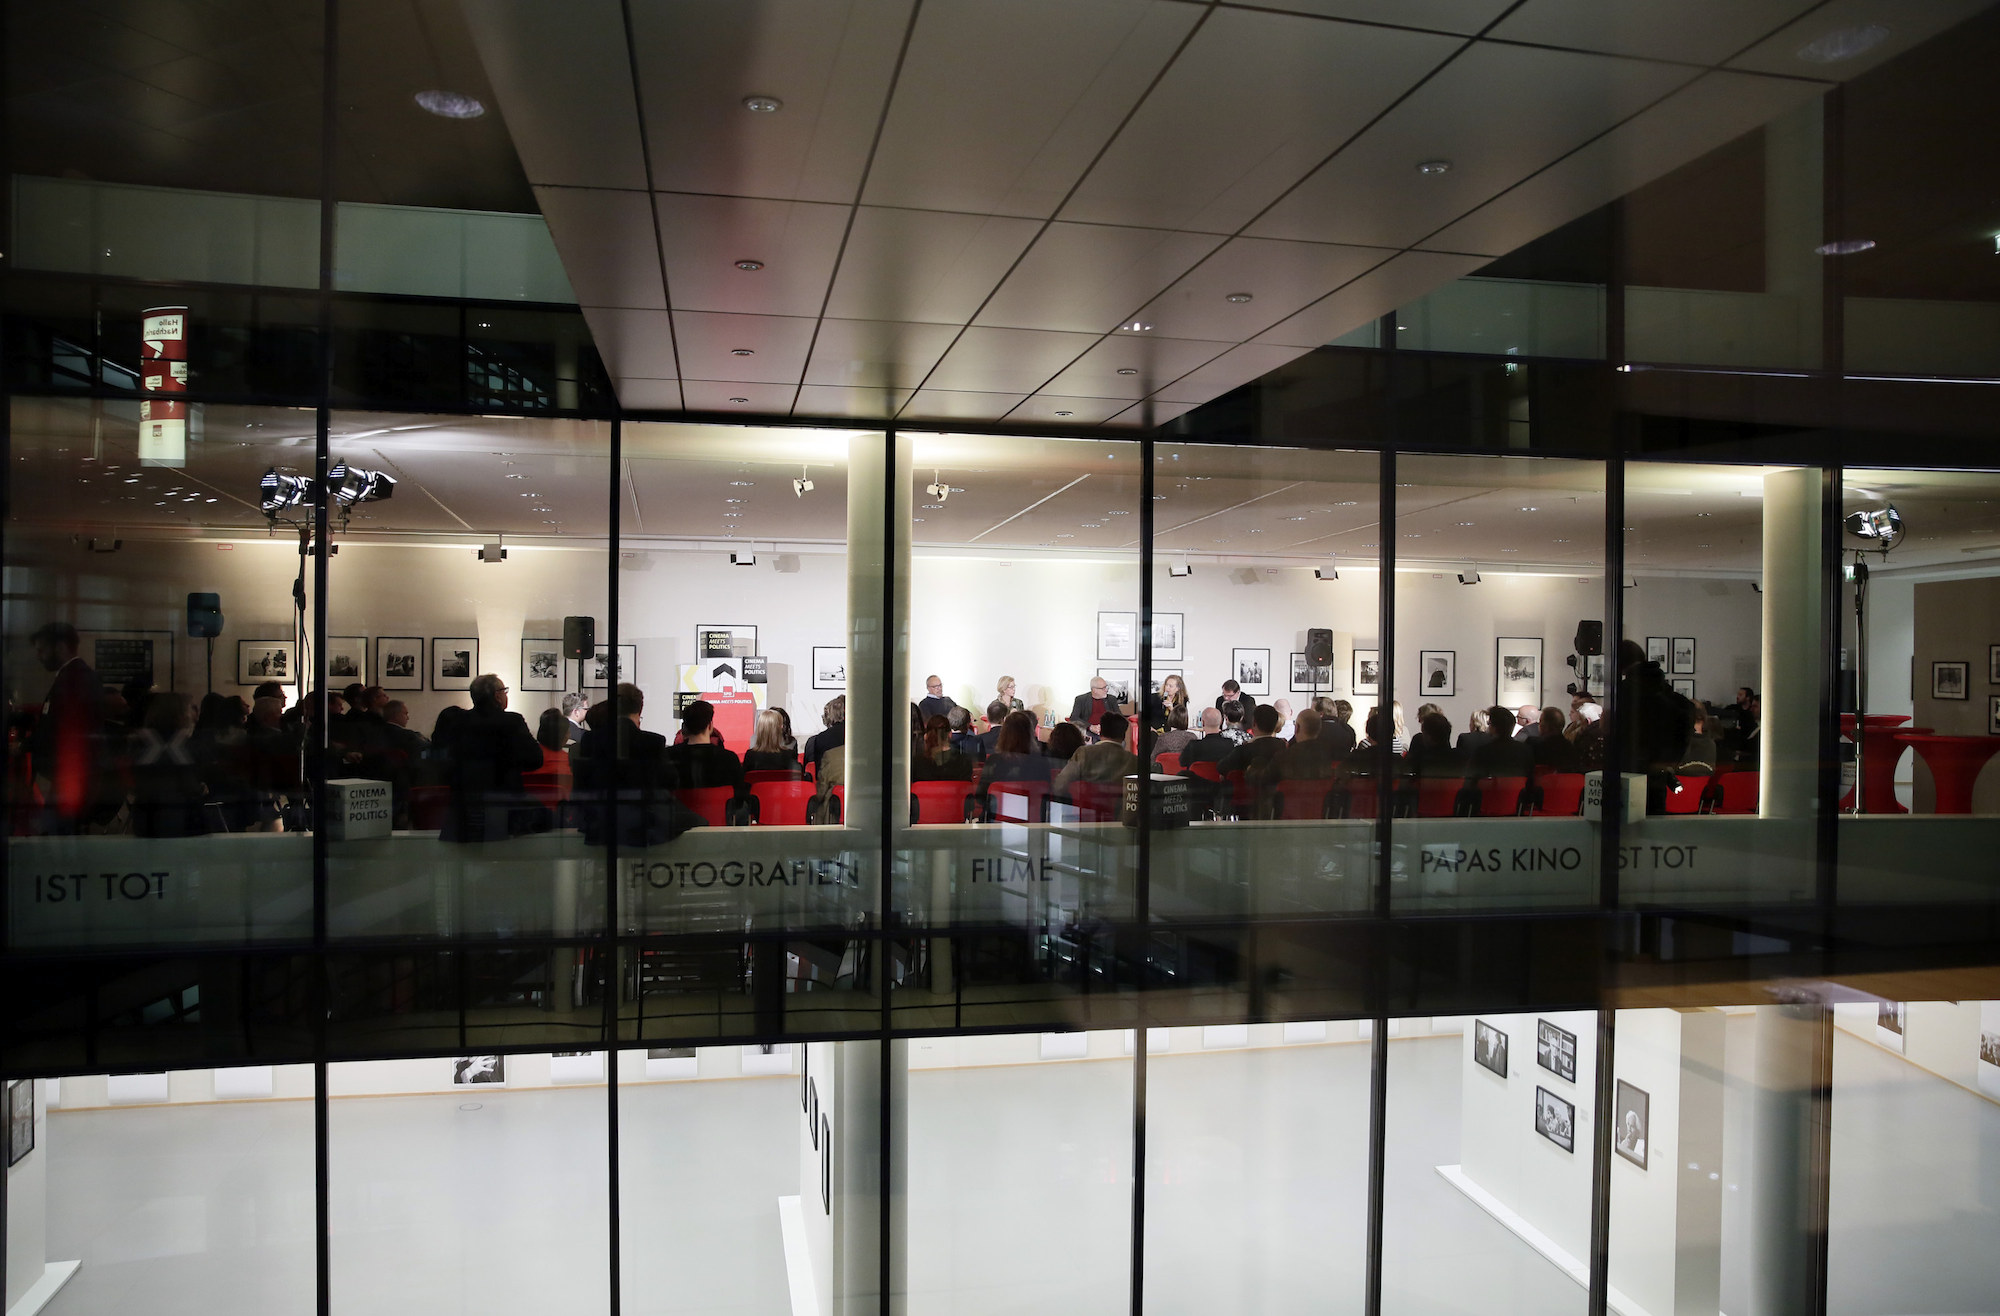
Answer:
(579, 637)
(1590, 637)
(1319, 647)
(204, 613)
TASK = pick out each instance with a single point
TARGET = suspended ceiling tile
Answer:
(1463, 16)
(714, 395)
(1089, 277)
(1715, 109)
(924, 265)
(560, 73)
(1150, 413)
(631, 342)
(1255, 100)
(1154, 361)
(1403, 280)
(865, 403)
(1903, 25)
(1496, 115)
(704, 236)
(1232, 369)
(876, 354)
(1280, 277)
(1000, 107)
(607, 245)
(777, 345)
(828, 61)
(1701, 31)
(1058, 410)
(943, 404)
(649, 394)
(1015, 361)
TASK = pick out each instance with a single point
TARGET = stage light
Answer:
(1469, 576)
(1182, 569)
(278, 492)
(1326, 573)
(350, 485)
(801, 487)
(742, 559)
(937, 488)
(1883, 526)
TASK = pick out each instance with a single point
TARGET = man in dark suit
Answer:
(935, 703)
(983, 745)
(485, 750)
(1253, 758)
(1212, 747)
(1232, 693)
(1089, 709)
(1527, 722)
(698, 761)
(1499, 756)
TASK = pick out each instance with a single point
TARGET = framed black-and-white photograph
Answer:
(467, 1070)
(1160, 674)
(1987, 1069)
(1517, 668)
(1555, 1050)
(1658, 650)
(258, 661)
(399, 662)
(1993, 664)
(1118, 637)
(1683, 685)
(1118, 683)
(713, 639)
(542, 664)
(1891, 1019)
(1633, 1113)
(1367, 672)
(1595, 673)
(1949, 680)
(1252, 670)
(121, 656)
(1489, 1047)
(1169, 637)
(454, 661)
(829, 667)
(1307, 679)
(1437, 673)
(1684, 655)
(597, 673)
(346, 660)
(1993, 715)
(20, 1119)
(1555, 1119)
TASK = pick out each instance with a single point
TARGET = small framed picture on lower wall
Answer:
(400, 659)
(258, 661)
(1555, 1119)
(1949, 680)
(454, 662)
(1632, 1112)
(1993, 715)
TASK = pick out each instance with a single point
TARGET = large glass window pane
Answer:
(185, 1191)
(468, 1181)
(1257, 1168)
(1499, 584)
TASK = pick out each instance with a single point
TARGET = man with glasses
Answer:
(485, 750)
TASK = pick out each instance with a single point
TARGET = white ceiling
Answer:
(962, 200)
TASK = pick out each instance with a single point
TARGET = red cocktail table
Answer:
(1954, 762)
(1880, 752)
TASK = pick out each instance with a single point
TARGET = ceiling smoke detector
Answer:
(1845, 247)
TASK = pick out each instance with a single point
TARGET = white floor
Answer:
(1018, 1184)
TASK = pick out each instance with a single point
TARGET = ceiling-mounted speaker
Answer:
(204, 613)
(1319, 647)
(579, 637)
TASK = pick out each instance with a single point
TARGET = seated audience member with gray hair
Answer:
(835, 735)
(485, 749)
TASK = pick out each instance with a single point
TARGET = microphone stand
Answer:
(1860, 678)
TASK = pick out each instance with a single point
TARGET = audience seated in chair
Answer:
(1015, 755)
(698, 761)
(1065, 739)
(835, 735)
(1107, 762)
(1176, 737)
(768, 752)
(1212, 746)
(1501, 756)
(485, 750)
(939, 761)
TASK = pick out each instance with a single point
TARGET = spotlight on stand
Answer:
(350, 485)
(1879, 529)
(278, 492)
(1874, 530)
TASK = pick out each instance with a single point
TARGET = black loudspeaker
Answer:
(204, 616)
(1319, 647)
(1590, 637)
(579, 637)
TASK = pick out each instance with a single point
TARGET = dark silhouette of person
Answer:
(68, 741)
(485, 750)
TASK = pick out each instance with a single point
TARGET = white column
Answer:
(1784, 1183)
(1789, 758)
(870, 551)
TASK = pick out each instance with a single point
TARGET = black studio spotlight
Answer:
(350, 485)
(278, 492)
(1878, 528)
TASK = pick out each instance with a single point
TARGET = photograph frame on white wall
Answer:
(256, 658)
(1308, 680)
(479, 1071)
(401, 662)
(742, 639)
(1517, 670)
(1555, 1119)
(1892, 1023)
(1367, 674)
(829, 667)
(1596, 673)
(1437, 673)
(1555, 1050)
(454, 661)
(1949, 680)
(119, 656)
(1118, 684)
(1170, 637)
(1684, 655)
(1252, 670)
(1160, 674)
(1632, 1123)
(1489, 1047)
(592, 672)
(1683, 686)
(1993, 664)
(1659, 649)
(1993, 715)
(1987, 1066)
(1118, 637)
(346, 660)
(542, 664)
(20, 1120)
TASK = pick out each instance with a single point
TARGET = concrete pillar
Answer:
(1788, 1137)
(876, 635)
(840, 1180)
(1790, 687)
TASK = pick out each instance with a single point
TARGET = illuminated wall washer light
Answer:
(1434, 168)
(742, 351)
(1065, 413)
(763, 104)
(749, 264)
(450, 104)
(1136, 327)
(1128, 370)
(1238, 297)
(1844, 247)
(739, 399)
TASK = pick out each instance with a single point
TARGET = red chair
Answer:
(1305, 799)
(939, 801)
(1017, 801)
(782, 802)
(777, 774)
(549, 788)
(1169, 764)
(1500, 797)
(429, 807)
(1359, 799)
(1558, 794)
(1206, 770)
(1437, 797)
(1735, 792)
(711, 802)
(834, 811)
(1693, 791)
(1097, 801)
(1242, 798)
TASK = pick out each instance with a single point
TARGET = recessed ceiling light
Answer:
(517, 477)
(1120, 512)
(1531, 509)
(763, 104)
(1465, 523)
(1128, 370)
(1843, 43)
(1065, 536)
(749, 264)
(1433, 168)
(741, 484)
(1065, 413)
(1238, 297)
(1349, 503)
(732, 500)
(1704, 514)
(739, 399)
(541, 509)
(1136, 326)
(742, 351)
(1844, 247)
(450, 104)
